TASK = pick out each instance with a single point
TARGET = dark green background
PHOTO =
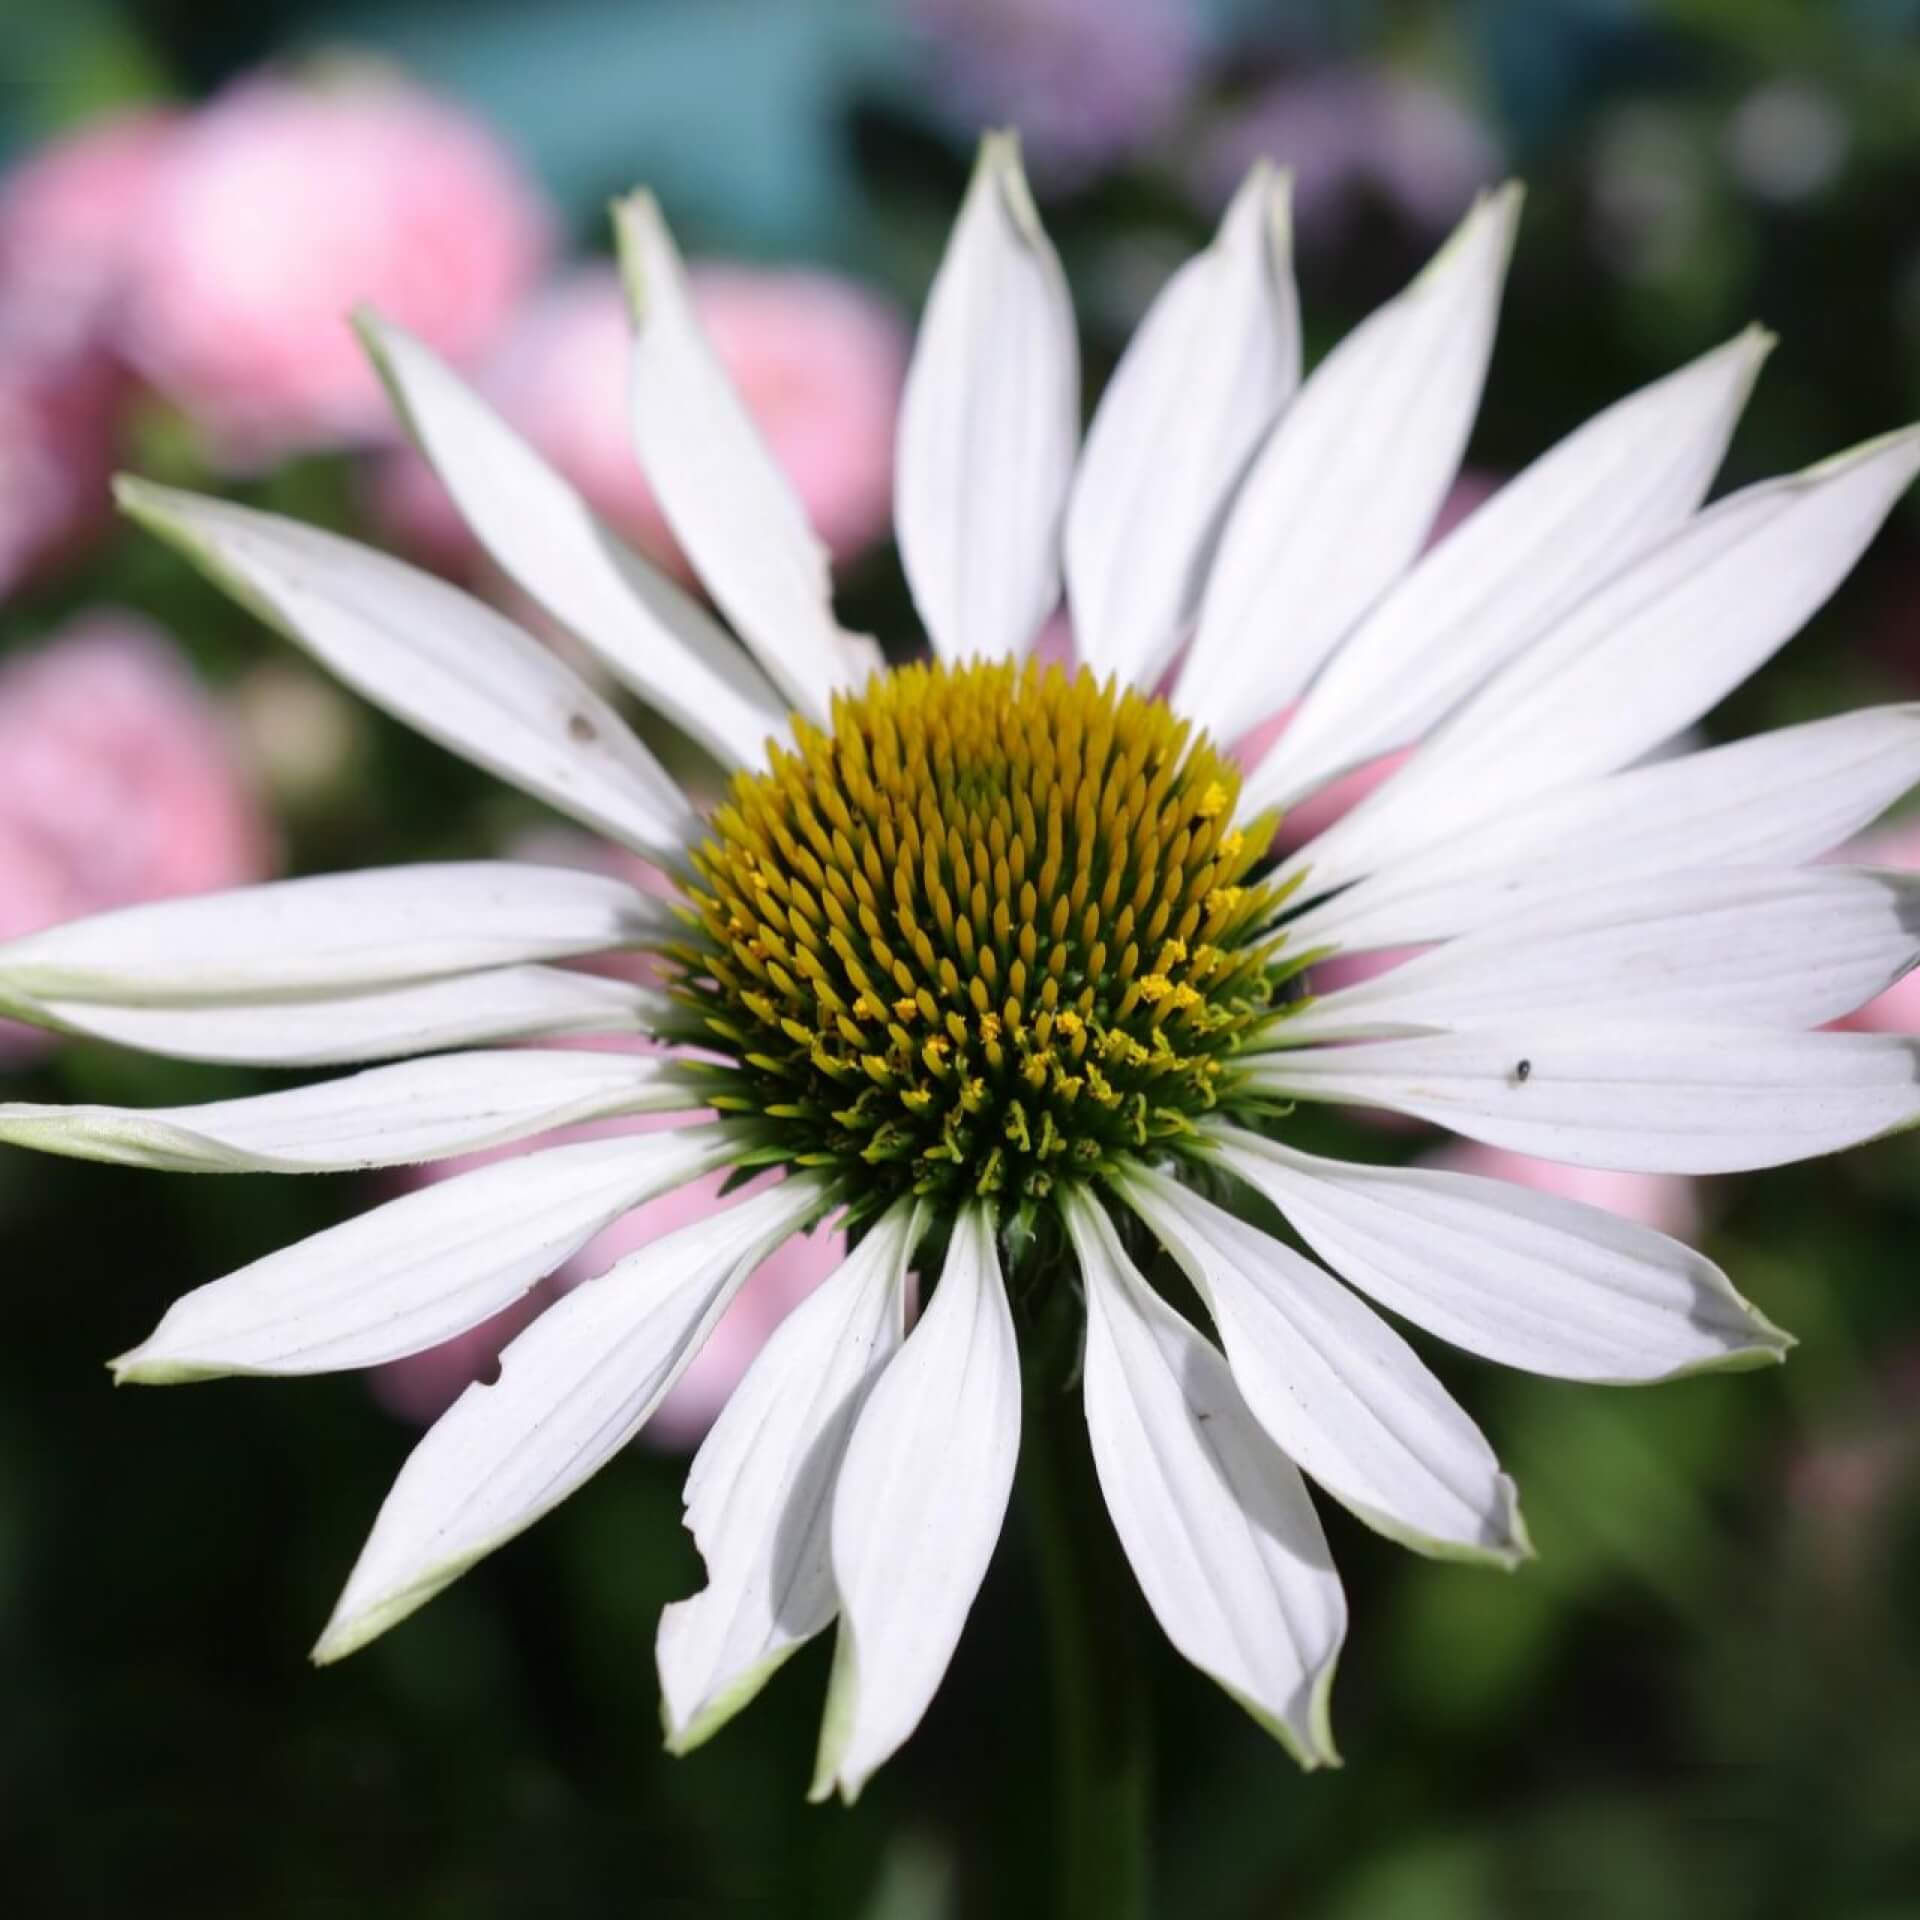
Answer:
(1702, 1701)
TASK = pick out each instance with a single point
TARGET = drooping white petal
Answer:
(1219, 1529)
(760, 1495)
(1635, 1098)
(419, 1269)
(1585, 508)
(1345, 490)
(729, 505)
(385, 1117)
(574, 1388)
(1729, 947)
(432, 656)
(655, 637)
(379, 1023)
(1526, 1278)
(331, 933)
(1776, 799)
(1636, 661)
(921, 1495)
(1213, 362)
(989, 421)
(1342, 1395)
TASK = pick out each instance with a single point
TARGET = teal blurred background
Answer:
(1703, 1700)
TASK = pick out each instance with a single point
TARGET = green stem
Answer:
(1102, 1740)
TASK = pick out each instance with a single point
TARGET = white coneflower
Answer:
(991, 961)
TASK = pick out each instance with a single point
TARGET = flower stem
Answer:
(1102, 1742)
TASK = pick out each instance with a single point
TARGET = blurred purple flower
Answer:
(1354, 134)
(280, 206)
(818, 361)
(1086, 82)
(121, 784)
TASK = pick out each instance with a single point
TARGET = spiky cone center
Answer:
(989, 931)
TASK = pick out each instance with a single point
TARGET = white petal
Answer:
(573, 1389)
(1729, 947)
(1778, 798)
(658, 640)
(1526, 1278)
(380, 1023)
(1342, 1395)
(760, 1495)
(988, 423)
(1636, 661)
(385, 1117)
(1638, 1099)
(332, 932)
(922, 1492)
(1213, 362)
(432, 656)
(1585, 508)
(420, 1269)
(1214, 1519)
(729, 505)
(1344, 492)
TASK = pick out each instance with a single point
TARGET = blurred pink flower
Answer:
(68, 215)
(282, 205)
(423, 1385)
(59, 428)
(120, 783)
(1898, 1009)
(1667, 1202)
(1086, 82)
(818, 362)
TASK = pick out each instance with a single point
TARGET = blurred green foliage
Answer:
(1703, 1701)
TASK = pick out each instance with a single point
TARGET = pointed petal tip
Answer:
(1498, 208)
(332, 1647)
(1519, 1547)
(1304, 1731)
(369, 325)
(1000, 148)
(1002, 161)
(136, 497)
(141, 1366)
(639, 228)
(680, 1739)
(1765, 1345)
(1326, 1753)
(1899, 446)
(347, 1632)
(1265, 195)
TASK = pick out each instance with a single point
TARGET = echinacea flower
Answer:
(990, 961)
